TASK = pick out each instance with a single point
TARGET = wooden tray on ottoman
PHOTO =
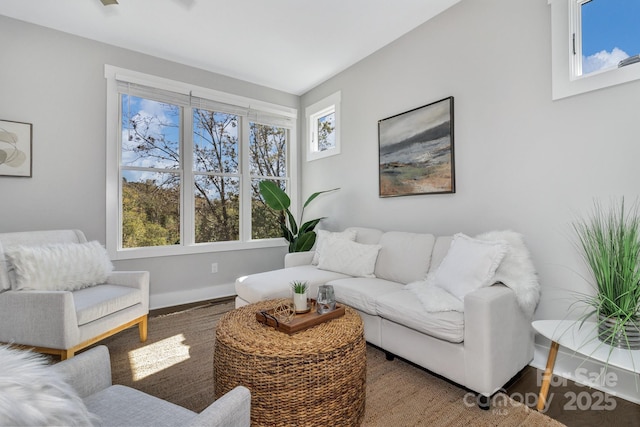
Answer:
(301, 321)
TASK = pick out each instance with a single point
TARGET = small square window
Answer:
(594, 44)
(610, 34)
(323, 125)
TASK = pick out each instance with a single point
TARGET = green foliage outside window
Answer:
(152, 156)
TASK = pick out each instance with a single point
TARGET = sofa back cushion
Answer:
(367, 236)
(404, 257)
(440, 249)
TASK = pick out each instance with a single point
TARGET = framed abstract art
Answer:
(416, 151)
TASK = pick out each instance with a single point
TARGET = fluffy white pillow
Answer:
(35, 395)
(517, 270)
(323, 235)
(434, 298)
(469, 264)
(59, 267)
(347, 257)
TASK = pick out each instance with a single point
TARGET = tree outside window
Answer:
(154, 179)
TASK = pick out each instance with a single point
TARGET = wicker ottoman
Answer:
(313, 377)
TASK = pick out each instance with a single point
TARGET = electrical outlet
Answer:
(214, 267)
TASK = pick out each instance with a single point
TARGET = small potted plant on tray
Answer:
(300, 290)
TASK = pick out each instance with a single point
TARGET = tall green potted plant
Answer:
(301, 239)
(610, 243)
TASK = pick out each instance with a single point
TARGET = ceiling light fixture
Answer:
(108, 2)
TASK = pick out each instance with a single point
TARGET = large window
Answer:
(184, 165)
(595, 44)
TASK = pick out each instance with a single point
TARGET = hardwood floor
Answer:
(565, 400)
(173, 309)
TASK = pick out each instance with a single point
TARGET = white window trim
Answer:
(566, 70)
(113, 184)
(315, 112)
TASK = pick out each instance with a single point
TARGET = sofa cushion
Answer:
(367, 236)
(352, 258)
(404, 257)
(404, 308)
(59, 266)
(361, 293)
(323, 236)
(440, 249)
(469, 264)
(276, 283)
(100, 301)
(121, 406)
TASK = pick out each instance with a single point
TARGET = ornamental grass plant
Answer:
(609, 240)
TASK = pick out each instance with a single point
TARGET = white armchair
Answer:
(64, 322)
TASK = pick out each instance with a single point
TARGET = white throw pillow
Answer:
(323, 235)
(347, 257)
(60, 266)
(469, 264)
(33, 394)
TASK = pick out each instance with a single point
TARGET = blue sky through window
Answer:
(610, 33)
(155, 142)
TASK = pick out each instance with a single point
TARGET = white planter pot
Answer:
(300, 302)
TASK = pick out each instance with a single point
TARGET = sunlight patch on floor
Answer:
(158, 356)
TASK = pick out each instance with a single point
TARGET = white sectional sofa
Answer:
(426, 299)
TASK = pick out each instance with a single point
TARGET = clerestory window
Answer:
(323, 128)
(595, 44)
(184, 165)
(606, 35)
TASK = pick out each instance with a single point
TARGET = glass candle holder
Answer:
(326, 300)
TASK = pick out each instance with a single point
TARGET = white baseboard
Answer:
(189, 296)
(582, 370)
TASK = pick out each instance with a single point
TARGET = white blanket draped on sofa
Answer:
(515, 271)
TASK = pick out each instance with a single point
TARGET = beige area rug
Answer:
(176, 364)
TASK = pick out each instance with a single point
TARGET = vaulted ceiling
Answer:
(290, 45)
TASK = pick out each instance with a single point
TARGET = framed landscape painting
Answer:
(416, 151)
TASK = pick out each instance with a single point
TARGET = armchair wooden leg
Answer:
(67, 354)
(142, 328)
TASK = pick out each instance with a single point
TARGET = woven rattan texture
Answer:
(314, 377)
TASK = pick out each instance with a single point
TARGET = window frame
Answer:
(313, 113)
(567, 78)
(259, 111)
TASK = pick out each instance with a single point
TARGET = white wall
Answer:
(56, 82)
(523, 162)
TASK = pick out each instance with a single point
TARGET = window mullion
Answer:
(187, 178)
(245, 181)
